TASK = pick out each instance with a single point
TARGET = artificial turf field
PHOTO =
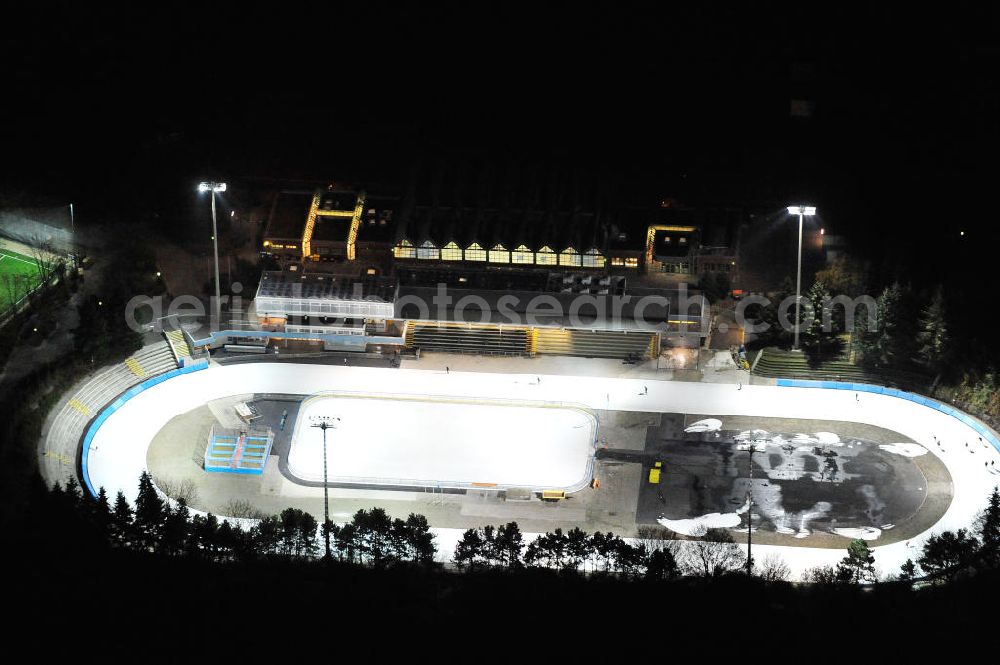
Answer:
(18, 276)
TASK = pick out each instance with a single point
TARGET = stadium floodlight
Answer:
(215, 187)
(325, 423)
(801, 211)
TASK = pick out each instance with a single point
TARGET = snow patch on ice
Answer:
(706, 425)
(864, 533)
(904, 449)
(698, 526)
(827, 438)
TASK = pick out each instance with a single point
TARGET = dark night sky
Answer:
(692, 103)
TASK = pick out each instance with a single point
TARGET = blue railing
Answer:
(981, 428)
(106, 412)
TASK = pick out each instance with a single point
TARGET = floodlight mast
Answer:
(801, 211)
(214, 188)
(324, 423)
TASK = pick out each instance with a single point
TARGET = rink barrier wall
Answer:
(980, 427)
(117, 403)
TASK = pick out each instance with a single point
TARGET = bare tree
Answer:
(44, 257)
(243, 509)
(714, 556)
(772, 568)
(179, 489)
(654, 537)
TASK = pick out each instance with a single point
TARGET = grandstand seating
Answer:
(95, 393)
(469, 338)
(594, 343)
(775, 363)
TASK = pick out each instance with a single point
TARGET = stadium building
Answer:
(481, 271)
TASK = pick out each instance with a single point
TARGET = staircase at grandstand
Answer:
(178, 345)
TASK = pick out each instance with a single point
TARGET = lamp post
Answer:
(215, 187)
(801, 211)
(324, 424)
(752, 449)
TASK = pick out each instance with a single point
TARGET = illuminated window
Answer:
(617, 261)
(499, 254)
(475, 252)
(522, 255)
(631, 262)
(593, 259)
(683, 241)
(428, 251)
(569, 257)
(545, 257)
(451, 252)
(404, 250)
(666, 240)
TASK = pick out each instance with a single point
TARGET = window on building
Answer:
(631, 262)
(545, 257)
(428, 251)
(451, 252)
(404, 250)
(569, 257)
(682, 240)
(522, 255)
(593, 259)
(617, 261)
(475, 252)
(499, 254)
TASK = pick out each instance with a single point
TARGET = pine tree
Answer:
(661, 565)
(817, 334)
(101, 513)
(907, 571)
(948, 552)
(176, 527)
(510, 541)
(149, 513)
(265, 536)
(578, 548)
(469, 550)
(121, 521)
(889, 336)
(988, 530)
(859, 564)
(932, 334)
(307, 544)
(419, 539)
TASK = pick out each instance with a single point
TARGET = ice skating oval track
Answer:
(114, 448)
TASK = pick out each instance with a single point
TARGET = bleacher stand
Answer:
(68, 425)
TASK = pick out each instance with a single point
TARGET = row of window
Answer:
(500, 254)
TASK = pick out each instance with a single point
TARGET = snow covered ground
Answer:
(118, 451)
(444, 443)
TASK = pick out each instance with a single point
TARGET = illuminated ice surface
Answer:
(118, 451)
(446, 443)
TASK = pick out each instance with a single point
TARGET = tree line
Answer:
(372, 538)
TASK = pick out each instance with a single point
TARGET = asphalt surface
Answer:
(798, 487)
